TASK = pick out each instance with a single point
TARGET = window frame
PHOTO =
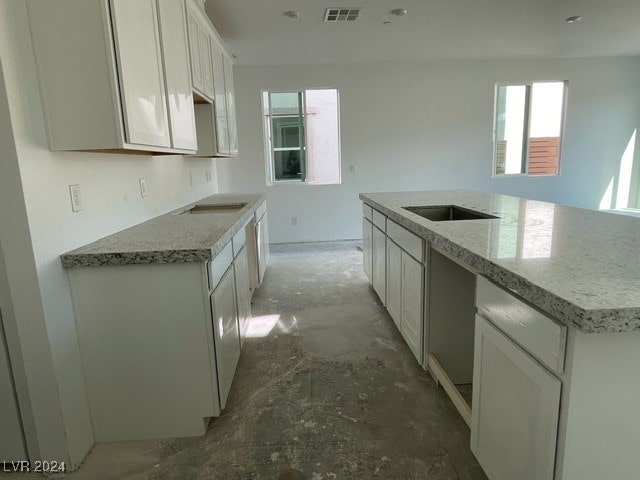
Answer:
(268, 140)
(527, 129)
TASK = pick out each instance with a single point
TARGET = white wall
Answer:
(37, 225)
(428, 125)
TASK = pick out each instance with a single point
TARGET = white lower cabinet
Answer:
(226, 332)
(394, 283)
(262, 241)
(397, 277)
(405, 296)
(243, 291)
(367, 246)
(515, 409)
(379, 256)
(412, 304)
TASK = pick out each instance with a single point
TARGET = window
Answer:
(302, 136)
(528, 128)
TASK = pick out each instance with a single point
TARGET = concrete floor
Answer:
(326, 389)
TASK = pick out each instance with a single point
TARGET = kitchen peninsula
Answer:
(535, 305)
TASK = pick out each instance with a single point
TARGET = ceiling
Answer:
(259, 34)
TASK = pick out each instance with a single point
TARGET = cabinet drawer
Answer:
(541, 336)
(379, 220)
(367, 211)
(219, 265)
(239, 239)
(410, 242)
(261, 210)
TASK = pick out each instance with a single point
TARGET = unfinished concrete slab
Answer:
(326, 388)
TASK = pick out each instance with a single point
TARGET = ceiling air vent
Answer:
(341, 14)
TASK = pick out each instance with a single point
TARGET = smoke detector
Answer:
(344, 14)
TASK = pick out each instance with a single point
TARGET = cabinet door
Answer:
(262, 241)
(231, 106)
(220, 100)
(205, 61)
(243, 292)
(142, 87)
(379, 264)
(367, 247)
(412, 303)
(515, 409)
(173, 31)
(394, 283)
(194, 50)
(225, 332)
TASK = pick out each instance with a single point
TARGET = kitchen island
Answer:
(538, 309)
(162, 310)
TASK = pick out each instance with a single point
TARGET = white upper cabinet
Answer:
(220, 102)
(231, 106)
(108, 79)
(176, 65)
(194, 50)
(206, 61)
(135, 30)
(212, 72)
(199, 29)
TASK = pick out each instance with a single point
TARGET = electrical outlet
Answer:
(352, 168)
(76, 199)
(208, 176)
(294, 220)
(143, 187)
(192, 180)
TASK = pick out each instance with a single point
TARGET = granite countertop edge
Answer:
(586, 320)
(174, 255)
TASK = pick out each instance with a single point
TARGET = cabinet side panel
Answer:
(73, 49)
(602, 431)
(145, 350)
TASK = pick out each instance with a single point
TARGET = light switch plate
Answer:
(143, 187)
(76, 199)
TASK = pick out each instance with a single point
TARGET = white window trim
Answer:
(269, 173)
(526, 174)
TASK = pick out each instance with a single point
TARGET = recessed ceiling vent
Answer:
(341, 14)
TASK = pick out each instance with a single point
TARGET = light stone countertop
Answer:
(580, 266)
(170, 238)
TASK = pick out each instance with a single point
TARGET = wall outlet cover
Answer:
(294, 220)
(76, 199)
(143, 187)
(208, 176)
(192, 180)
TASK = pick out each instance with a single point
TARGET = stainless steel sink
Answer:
(448, 213)
(221, 207)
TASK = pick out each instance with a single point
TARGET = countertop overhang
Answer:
(580, 266)
(170, 238)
